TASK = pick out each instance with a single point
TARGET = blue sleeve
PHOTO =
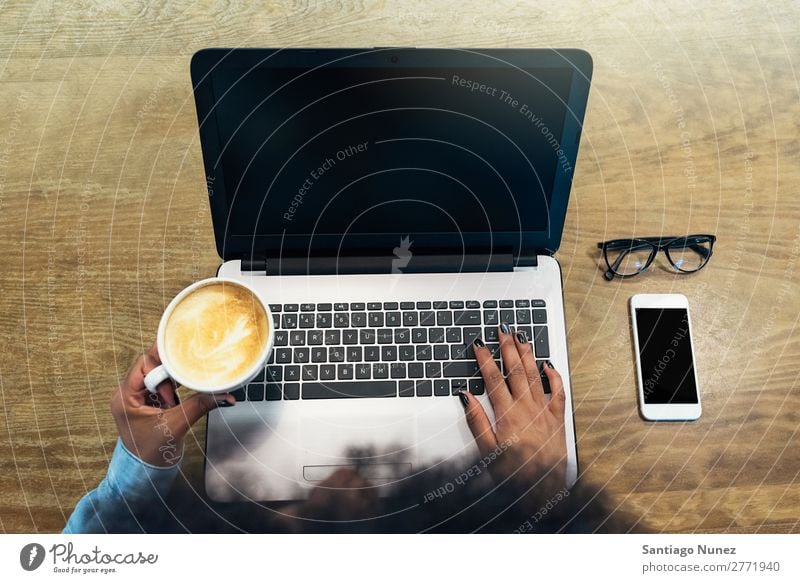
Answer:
(129, 499)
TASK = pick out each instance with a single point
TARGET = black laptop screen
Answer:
(363, 150)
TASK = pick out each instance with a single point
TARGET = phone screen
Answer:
(665, 354)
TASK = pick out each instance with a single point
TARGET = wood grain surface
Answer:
(693, 125)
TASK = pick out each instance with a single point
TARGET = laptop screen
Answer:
(338, 154)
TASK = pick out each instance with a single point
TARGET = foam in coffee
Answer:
(215, 335)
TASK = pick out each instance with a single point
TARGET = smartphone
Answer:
(662, 336)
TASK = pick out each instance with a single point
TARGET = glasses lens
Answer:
(689, 254)
(629, 259)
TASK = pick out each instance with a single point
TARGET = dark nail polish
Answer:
(224, 403)
(479, 343)
(549, 364)
(462, 396)
(504, 328)
(522, 337)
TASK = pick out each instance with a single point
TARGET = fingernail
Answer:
(549, 364)
(504, 328)
(462, 396)
(224, 403)
(522, 337)
(479, 343)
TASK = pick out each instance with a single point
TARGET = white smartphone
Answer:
(662, 336)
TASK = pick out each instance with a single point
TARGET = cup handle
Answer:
(155, 377)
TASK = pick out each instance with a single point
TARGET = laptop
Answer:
(390, 205)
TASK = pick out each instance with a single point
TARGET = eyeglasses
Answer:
(629, 257)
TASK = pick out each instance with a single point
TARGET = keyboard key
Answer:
(407, 352)
(444, 318)
(274, 374)
(415, 370)
(467, 318)
(461, 352)
(424, 352)
(406, 388)
(289, 321)
(410, 319)
(506, 303)
(433, 370)
(491, 317)
(239, 394)
(291, 373)
(324, 307)
(458, 385)
(453, 334)
(490, 334)
(333, 337)
(527, 330)
(291, 391)
(310, 372)
(545, 381)
(390, 305)
(441, 387)
(290, 307)
(357, 306)
(402, 336)
(373, 305)
(456, 305)
(354, 354)
(397, 370)
(439, 305)
(340, 307)
(306, 320)
(301, 355)
(476, 386)
(541, 342)
(522, 303)
(327, 372)
(372, 353)
(423, 305)
(315, 337)
(380, 370)
(358, 319)
(341, 320)
(419, 335)
(385, 336)
(307, 307)
(283, 355)
(538, 303)
(336, 354)
(344, 372)
(460, 368)
(406, 306)
(507, 316)
(255, 392)
(363, 371)
(472, 305)
(339, 390)
(393, 319)
(435, 335)
(441, 352)
(427, 318)
(366, 336)
(259, 378)
(490, 304)
(273, 392)
(540, 316)
(275, 308)
(281, 338)
(471, 333)
(388, 353)
(424, 388)
(349, 336)
(297, 337)
(376, 319)
(523, 316)
(319, 354)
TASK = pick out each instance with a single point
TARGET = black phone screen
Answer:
(665, 354)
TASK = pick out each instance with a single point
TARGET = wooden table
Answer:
(692, 126)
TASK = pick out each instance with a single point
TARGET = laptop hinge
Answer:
(354, 264)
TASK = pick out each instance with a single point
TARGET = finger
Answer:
(558, 398)
(182, 417)
(479, 423)
(516, 379)
(525, 351)
(499, 394)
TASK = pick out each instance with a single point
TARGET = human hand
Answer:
(153, 425)
(528, 443)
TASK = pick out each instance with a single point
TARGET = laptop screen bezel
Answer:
(519, 243)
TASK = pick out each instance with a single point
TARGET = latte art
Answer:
(215, 335)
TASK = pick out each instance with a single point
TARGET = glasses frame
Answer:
(656, 244)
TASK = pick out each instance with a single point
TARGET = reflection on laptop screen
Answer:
(375, 150)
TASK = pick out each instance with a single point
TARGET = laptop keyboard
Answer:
(389, 349)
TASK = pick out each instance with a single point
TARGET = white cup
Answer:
(165, 371)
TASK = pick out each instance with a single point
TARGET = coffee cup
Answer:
(215, 336)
